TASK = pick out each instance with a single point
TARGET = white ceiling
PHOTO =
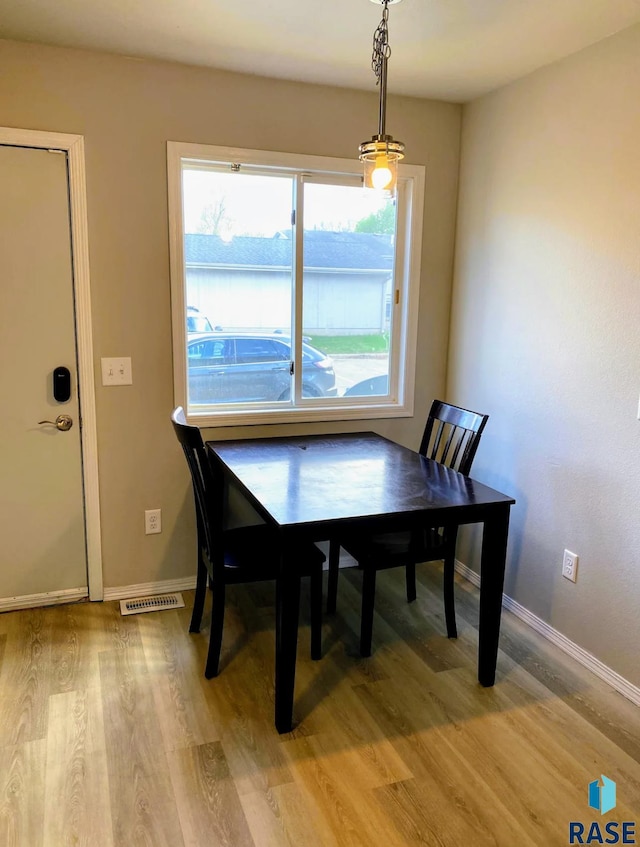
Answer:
(447, 49)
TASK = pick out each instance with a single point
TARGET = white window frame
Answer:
(404, 306)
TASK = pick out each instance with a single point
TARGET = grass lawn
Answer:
(333, 344)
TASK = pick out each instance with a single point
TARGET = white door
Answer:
(42, 525)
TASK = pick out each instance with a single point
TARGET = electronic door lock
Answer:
(61, 384)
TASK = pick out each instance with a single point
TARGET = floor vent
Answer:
(137, 605)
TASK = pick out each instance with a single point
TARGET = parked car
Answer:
(228, 367)
(375, 385)
(196, 321)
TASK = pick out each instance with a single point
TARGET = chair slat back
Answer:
(207, 496)
(452, 435)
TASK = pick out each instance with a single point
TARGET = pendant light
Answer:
(382, 154)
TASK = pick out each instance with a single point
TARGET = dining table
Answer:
(324, 487)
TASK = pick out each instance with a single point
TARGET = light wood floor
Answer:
(110, 735)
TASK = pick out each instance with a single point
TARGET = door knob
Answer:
(62, 422)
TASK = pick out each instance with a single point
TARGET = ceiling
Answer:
(446, 49)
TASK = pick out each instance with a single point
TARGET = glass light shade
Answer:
(380, 158)
(381, 175)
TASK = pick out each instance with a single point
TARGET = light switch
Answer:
(117, 371)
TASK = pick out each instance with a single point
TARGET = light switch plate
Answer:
(117, 371)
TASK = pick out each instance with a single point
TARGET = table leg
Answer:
(332, 580)
(494, 553)
(287, 614)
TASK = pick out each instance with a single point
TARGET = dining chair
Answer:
(238, 555)
(451, 438)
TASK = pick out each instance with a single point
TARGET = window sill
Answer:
(319, 414)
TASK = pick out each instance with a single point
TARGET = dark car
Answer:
(375, 385)
(227, 367)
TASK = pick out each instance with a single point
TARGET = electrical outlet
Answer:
(570, 565)
(152, 521)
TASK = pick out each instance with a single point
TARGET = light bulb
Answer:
(381, 175)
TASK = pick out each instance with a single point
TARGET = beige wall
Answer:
(546, 334)
(127, 110)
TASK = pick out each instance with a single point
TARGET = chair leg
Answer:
(449, 598)
(212, 667)
(410, 579)
(366, 617)
(316, 613)
(332, 583)
(201, 593)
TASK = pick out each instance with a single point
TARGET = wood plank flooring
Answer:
(111, 736)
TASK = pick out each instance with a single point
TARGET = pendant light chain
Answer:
(381, 46)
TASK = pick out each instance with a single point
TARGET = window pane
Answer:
(238, 250)
(349, 236)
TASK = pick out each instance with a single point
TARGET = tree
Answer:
(330, 226)
(382, 222)
(214, 219)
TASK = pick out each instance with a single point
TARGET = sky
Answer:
(261, 205)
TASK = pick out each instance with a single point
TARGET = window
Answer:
(294, 289)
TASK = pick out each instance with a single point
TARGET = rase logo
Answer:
(602, 798)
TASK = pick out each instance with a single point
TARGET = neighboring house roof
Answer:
(323, 249)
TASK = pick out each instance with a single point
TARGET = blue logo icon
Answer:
(602, 798)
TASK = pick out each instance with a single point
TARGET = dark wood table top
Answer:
(325, 480)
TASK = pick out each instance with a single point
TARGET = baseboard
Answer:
(470, 576)
(602, 671)
(46, 598)
(142, 589)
